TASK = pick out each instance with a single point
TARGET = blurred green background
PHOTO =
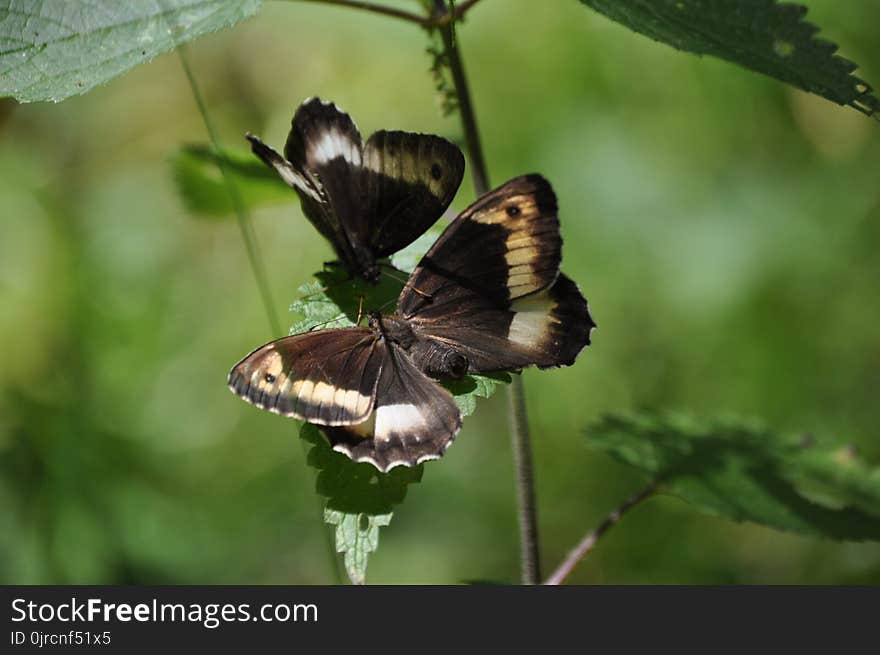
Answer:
(724, 228)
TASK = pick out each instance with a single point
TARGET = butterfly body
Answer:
(486, 297)
(371, 199)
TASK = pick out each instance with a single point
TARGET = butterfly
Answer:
(487, 297)
(369, 200)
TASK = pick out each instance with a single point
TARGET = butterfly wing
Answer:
(322, 162)
(413, 420)
(408, 182)
(490, 286)
(327, 377)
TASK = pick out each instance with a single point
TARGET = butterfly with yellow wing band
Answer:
(369, 200)
(487, 297)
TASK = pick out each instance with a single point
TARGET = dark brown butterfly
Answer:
(487, 297)
(369, 200)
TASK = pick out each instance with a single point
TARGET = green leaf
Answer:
(53, 50)
(359, 499)
(196, 172)
(470, 387)
(746, 472)
(762, 35)
(357, 535)
(408, 258)
(333, 300)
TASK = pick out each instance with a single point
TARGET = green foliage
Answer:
(197, 174)
(763, 35)
(746, 472)
(49, 51)
(408, 258)
(359, 499)
(357, 535)
(335, 299)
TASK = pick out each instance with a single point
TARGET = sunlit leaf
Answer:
(408, 258)
(196, 171)
(763, 35)
(52, 49)
(746, 472)
(357, 535)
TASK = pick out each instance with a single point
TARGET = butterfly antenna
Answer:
(324, 289)
(339, 317)
(405, 283)
(385, 305)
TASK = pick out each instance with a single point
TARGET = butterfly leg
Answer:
(360, 314)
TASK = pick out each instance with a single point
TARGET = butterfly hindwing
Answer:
(327, 377)
(546, 330)
(408, 181)
(414, 419)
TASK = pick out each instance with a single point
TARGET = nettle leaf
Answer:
(746, 472)
(357, 535)
(54, 50)
(408, 258)
(199, 179)
(359, 499)
(335, 299)
(763, 35)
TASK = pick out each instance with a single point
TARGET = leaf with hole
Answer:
(765, 36)
(746, 472)
(54, 50)
(359, 499)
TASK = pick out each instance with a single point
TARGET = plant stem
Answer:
(466, 108)
(530, 561)
(378, 9)
(244, 225)
(435, 20)
(530, 556)
(589, 541)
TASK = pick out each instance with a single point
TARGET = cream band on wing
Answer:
(533, 320)
(399, 420)
(333, 144)
(312, 395)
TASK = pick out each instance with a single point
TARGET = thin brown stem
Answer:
(379, 9)
(530, 555)
(435, 20)
(465, 106)
(591, 539)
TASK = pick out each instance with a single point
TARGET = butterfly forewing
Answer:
(408, 182)
(504, 246)
(368, 200)
(414, 419)
(490, 286)
(327, 377)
